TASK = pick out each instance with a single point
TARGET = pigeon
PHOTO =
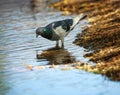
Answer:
(58, 30)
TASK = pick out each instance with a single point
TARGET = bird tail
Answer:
(78, 18)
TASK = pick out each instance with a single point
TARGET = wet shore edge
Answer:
(103, 35)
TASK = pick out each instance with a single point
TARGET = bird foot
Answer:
(62, 47)
(57, 47)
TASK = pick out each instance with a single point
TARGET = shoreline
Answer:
(103, 37)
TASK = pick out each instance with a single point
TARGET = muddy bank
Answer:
(103, 37)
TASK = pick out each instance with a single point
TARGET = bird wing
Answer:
(64, 24)
(60, 28)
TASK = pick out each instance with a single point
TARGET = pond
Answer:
(20, 48)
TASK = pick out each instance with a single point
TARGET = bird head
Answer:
(39, 31)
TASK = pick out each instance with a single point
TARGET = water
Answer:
(19, 48)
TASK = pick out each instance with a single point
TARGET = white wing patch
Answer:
(60, 31)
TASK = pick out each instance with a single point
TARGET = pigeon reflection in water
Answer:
(56, 56)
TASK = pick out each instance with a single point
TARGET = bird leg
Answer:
(57, 44)
(62, 40)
